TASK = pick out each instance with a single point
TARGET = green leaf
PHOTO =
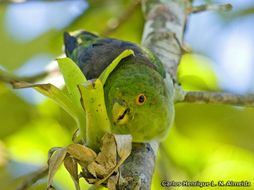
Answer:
(97, 121)
(60, 98)
(72, 77)
(104, 75)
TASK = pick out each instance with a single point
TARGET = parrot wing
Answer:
(93, 54)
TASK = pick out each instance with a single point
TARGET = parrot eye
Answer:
(140, 100)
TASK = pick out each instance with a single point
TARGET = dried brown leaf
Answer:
(97, 170)
(72, 167)
(124, 145)
(108, 155)
(91, 180)
(52, 150)
(55, 162)
(81, 153)
(106, 159)
(112, 182)
(106, 162)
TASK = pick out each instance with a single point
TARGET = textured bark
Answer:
(218, 98)
(137, 170)
(163, 34)
(164, 28)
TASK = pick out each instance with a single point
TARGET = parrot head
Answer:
(138, 102)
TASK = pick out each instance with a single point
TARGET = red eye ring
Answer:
(140, 99)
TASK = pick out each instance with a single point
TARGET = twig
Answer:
(115, 23)
(218, 98)
(212, 7)
(33, 178)
(7, 77)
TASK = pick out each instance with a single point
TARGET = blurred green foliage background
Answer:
(207, 142)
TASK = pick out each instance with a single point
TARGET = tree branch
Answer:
(218, 98)
(34, 177)
(164, 28)
(212, 7)
(137, 170)
(9, 78)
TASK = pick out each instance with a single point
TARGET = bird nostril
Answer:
(120, 101)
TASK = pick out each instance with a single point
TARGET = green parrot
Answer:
(138, 93)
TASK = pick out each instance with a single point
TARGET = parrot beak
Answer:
(120, 114)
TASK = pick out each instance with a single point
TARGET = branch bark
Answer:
(218, 98)
(164, 28)
(163, 34)
(211, 7)
(33, 178)
(9, 78)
